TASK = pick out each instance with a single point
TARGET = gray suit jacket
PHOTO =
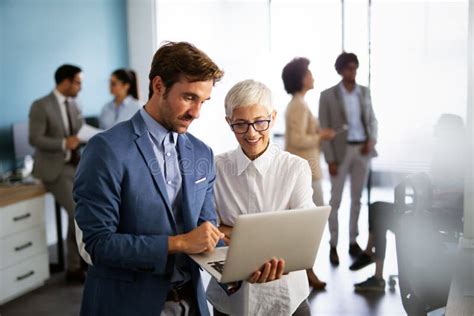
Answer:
(46, 135)
(332, 114)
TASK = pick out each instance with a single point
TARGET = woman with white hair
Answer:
(258, 177)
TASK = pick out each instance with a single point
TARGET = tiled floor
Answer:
(58, 298)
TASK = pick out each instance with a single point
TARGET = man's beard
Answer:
(170, 124)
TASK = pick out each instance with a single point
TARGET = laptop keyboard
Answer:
(218, 265)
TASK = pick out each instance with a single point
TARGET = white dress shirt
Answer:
(277, 180)
(352, 105)
(62, 107)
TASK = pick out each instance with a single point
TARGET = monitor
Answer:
(21, 144)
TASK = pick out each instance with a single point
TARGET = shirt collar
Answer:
(156, 130)
(59, 96)
(262, 163)
(345, 92)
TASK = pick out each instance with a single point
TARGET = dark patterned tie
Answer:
(75, 155)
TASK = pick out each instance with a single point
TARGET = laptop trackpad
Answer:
(218, 255)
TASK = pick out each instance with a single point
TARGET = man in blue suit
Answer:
(144, 197)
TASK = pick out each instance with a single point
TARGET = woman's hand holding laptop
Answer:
(270, 271)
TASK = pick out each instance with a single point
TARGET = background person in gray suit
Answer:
(347, 108)
(54, 122)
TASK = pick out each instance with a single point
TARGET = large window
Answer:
(254, 39)
(419, 71)
(412, 54)
(233, 33)
(309, 29)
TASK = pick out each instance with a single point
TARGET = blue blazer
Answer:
(125, 217)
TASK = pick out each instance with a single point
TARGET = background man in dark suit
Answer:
(54, 122)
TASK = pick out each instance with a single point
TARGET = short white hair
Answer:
(247, 93)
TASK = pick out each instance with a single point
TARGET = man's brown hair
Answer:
(175, 60)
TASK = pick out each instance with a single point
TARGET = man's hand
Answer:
(227, 231)
(327, 133)
(270, 271)
(201, 239)
(367, 147)
(333, 169)
(72, 142)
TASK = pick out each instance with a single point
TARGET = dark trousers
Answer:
(181, 302)
(382, 217)
(61, 189)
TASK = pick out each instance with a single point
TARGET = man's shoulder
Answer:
(364, 89)
(41, 106)
(198, 145)
(44, 100)
(117, 137)
(330, 91)
(122, 130)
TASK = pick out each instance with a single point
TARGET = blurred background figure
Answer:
(124, 88)
(445, 203)
(449, 152)
(347, 107)
(54, 122)
(302, 134)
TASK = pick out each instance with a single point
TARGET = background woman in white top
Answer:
(124, 88)
(258, 177)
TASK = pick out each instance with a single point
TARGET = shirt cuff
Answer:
(64, 144)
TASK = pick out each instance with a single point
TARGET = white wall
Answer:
(141, 40)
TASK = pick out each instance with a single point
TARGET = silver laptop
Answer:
(293, 235)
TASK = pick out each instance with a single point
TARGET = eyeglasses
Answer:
(258, 126)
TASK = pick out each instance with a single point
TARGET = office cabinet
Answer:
(24, 263)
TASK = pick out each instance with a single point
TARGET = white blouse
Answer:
(112, 114)
(277, 180)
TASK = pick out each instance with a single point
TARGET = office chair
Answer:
(425, 265)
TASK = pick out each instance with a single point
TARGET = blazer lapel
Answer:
(340, 101)
(145, 147)
(363, 109)
(57, 112)
(74, 112)
(187, 166)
